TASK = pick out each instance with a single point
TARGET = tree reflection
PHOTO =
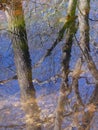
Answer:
(65, 87)
(79, 108)
(16, 23)
(71, 104)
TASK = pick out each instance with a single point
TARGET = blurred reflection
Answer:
(16, 23)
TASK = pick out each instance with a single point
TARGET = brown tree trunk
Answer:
(84, 7)
(75, 77)
(64, 89)
(16, 23)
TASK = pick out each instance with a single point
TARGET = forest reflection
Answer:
(55, 56)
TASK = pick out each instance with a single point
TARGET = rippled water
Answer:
(41, 36)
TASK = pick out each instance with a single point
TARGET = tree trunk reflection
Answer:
(84, 8)
(66, 50)
(16, 24)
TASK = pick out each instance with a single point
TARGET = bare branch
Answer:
(37, 81)
(9, 79)
(94, 20)
(68, 22)
(76, 74)
(90, 63)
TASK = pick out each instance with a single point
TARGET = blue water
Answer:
(41, 36)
